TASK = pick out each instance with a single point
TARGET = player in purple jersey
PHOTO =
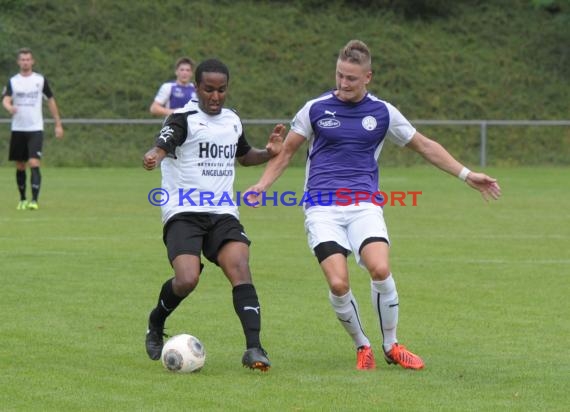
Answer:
(345, 130)
(23, 98)
(175, 94)
(190, 230)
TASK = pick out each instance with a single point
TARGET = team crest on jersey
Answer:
(369, 123)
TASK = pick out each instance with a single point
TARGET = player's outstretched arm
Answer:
(275, 167)
(487, 185)
(437, 155)
(272, 148)
(153, 157)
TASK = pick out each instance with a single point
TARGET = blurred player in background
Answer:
(22, 98)
(175, 94)
(345, 129)
(196, 149)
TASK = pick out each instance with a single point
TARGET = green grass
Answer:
(483, 292)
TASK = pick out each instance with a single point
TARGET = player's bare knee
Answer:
(379, 271)
(339, 287)
(239, 275)
(185, 282)
(238, 266)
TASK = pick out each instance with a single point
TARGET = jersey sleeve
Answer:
(163, 94)
(47, 90)
(7, 91)
(301, 123)
(242, 146)
(173, 133)
(400, 130)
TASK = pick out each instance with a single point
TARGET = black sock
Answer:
(36, 181)
(167, 302)
(247, 308)
(21, 182)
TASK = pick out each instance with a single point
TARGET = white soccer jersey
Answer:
(27, 93)
(199, 172)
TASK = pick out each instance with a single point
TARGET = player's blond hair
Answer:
(357, 52)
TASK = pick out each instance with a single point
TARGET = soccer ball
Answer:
(183, 353)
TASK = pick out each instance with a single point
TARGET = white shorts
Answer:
(348, 226)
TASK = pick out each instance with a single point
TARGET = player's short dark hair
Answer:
(211, 66)
(24, 50)
(184, 60)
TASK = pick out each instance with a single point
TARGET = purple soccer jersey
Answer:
(180, 95)
(175, 96)
(345, 140)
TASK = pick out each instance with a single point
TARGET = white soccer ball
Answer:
(183, 353)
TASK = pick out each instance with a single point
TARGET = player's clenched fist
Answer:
(153, 157)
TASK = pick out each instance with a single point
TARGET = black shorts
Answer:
(194, 233)
(26, 145)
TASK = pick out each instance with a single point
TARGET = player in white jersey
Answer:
(22, 98)
(345, 130)
(196, 150)
(175, 94)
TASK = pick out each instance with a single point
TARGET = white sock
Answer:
(385, 302)
(346, 310)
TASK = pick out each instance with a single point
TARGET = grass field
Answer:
(483, 298)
